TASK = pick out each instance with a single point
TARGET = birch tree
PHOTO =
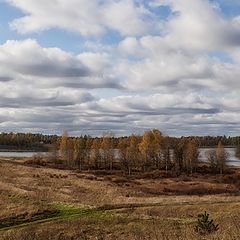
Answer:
(222, 157)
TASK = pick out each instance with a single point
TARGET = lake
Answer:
(19, 154)
(233, 161)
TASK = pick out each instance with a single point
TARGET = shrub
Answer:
(205, 225)
(151, 175)
(231, 179)
(119, 180)
(37, 159)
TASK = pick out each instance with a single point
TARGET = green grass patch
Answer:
(69, 210)
(27, 218)
(60, 211)
(54, 212)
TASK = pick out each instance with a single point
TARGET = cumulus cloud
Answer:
(127, 18)
(28, 97)
(85, 17)
(180, 58)
(5, 78)
(177, 73)
(28, 58)
(196, 25)
(175, 115)
(71, 15)
(28, 62)
(135, 113)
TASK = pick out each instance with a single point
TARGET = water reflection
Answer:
(19, 154)
(232, 160)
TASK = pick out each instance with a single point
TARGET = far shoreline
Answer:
(23, 150)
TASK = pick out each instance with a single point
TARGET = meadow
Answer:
(40, 202)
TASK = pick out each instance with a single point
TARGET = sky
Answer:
(124, 66)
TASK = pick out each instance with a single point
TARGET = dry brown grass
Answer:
(161, 208)
(156, 223)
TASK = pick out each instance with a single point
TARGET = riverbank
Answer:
(20, 150)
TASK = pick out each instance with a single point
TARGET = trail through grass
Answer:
(59, 211)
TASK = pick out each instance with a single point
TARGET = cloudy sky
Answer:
(88, 66)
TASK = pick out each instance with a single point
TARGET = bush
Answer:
(231, 179)
(156, 174)
(37, 159)
(120, 180)
(205, 225)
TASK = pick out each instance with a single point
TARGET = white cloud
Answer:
(26, 61)
(175, 67)
(180, 58)
(126, 18)
(97, 62)
(82, 16)
(129, 46)
(198, 26)
(27, 57)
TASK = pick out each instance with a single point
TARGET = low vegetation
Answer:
(41, 202)
(205, 225)
(151, 188)
(133, 155)
(238, 151)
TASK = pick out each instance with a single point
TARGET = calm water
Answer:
(233, 161)
(19, 154)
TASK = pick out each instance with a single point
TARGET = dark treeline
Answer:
(212, 141)
(26, 141)
(40, 141)
(149, 152)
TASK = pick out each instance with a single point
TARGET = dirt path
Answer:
(62, 212)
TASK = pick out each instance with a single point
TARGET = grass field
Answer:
(45, 203)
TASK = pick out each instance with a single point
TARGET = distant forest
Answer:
(40, 142)
(134, 153)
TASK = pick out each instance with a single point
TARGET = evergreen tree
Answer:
(205, 225)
